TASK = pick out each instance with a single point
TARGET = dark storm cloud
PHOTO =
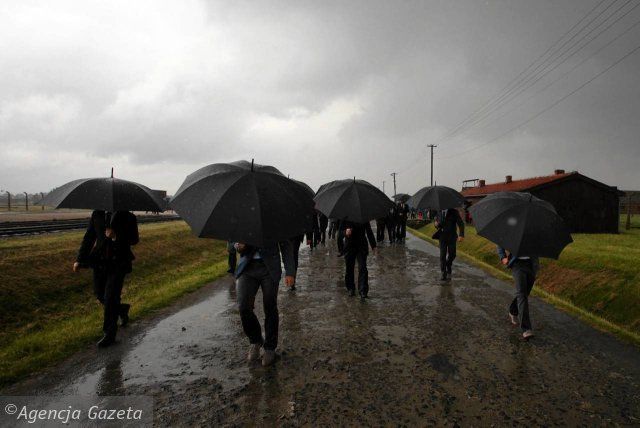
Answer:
(322, 90)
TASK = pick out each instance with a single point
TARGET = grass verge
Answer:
(48, 312)
(596, 278)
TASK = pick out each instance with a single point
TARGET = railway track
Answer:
(12, 228)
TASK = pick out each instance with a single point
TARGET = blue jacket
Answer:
(271, 257)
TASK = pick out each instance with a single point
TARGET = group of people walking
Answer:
(106, 248)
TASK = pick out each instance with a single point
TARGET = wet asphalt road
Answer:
(417, 352)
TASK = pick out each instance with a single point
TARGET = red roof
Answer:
(515, 185)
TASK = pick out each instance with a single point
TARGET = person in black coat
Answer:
(391, 222)
(324, 222)
(380, 227)
(446, 223)
(106, 248)
(356, 247)
(401, 226)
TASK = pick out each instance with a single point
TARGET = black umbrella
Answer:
(108, 194)
(436, 198)
(305, 186)
(401, 197)
(354, 200)
(522, 224)
(243, 202)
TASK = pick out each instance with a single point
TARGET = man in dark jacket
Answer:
(401, 225)
(106, 248)
(391, 222)
(380, 227)
(523, 270)
(357, 248)
(324, 222)
(446, 223)
(260, 268)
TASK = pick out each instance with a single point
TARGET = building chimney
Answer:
(481, 183)
(508, 179)
(558, 171)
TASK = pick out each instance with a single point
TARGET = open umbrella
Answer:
(522, 224)
(243, 202)
(305, 186)
(108, 194)
(436, 198)
(355, 200)
(401, 197)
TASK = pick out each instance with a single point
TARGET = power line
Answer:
(628, 54)
(545, 73)
(526, 70)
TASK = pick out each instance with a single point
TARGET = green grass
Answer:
(597, 276)
(48, 312)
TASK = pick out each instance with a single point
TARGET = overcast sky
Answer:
(322, 90)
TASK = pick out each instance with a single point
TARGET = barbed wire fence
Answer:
(21, 201)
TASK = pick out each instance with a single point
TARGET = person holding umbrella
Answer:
(524, 228)
(448, 238)
(523, 270)
(356, 248)
(261, 211)
(112, 230)
(324, 222)
(106, 248)
(356, 202)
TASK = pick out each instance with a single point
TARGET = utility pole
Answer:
(393, 174)
(8, 201)
(41, 199)
(432, 146)
(627, 226)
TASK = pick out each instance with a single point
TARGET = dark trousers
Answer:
(380, 231)
(333, 230)
(107, 286)
(391, 229)
(254, 277)
(363, 273)
(401, 230)
(323, 236)
(340, 242)
(447, 254)
(524, 276)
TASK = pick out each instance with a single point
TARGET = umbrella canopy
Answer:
(401, 197)
(108, 194)
(305, 186)
(354, 200)
(243, 202)
(522, 224)
(436, 198)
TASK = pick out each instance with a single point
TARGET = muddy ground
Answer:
(417, 352)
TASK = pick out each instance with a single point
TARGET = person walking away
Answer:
(106, 248)
(391, 224)
(260, 268)
(401, 227)
(380, 227)
(524, 270)
(446, 233)
(356, 248)
(324, 222)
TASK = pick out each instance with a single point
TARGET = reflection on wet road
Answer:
(417, 353)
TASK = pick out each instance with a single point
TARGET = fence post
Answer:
(8, 201)
(26, 200)
(628, 225)
(41, 199)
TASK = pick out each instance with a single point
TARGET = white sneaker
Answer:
(513, 318)
(254, 352)
(527, 334)
(268, 358)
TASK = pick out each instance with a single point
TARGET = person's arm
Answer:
(460, 224)
(370, 235)
(504, 258)
(286, 251)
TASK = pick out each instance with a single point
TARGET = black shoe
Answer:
(107, 340)
(363, 296)
(352, 293)
(444, 276)
(231, 271)
(124, 314)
